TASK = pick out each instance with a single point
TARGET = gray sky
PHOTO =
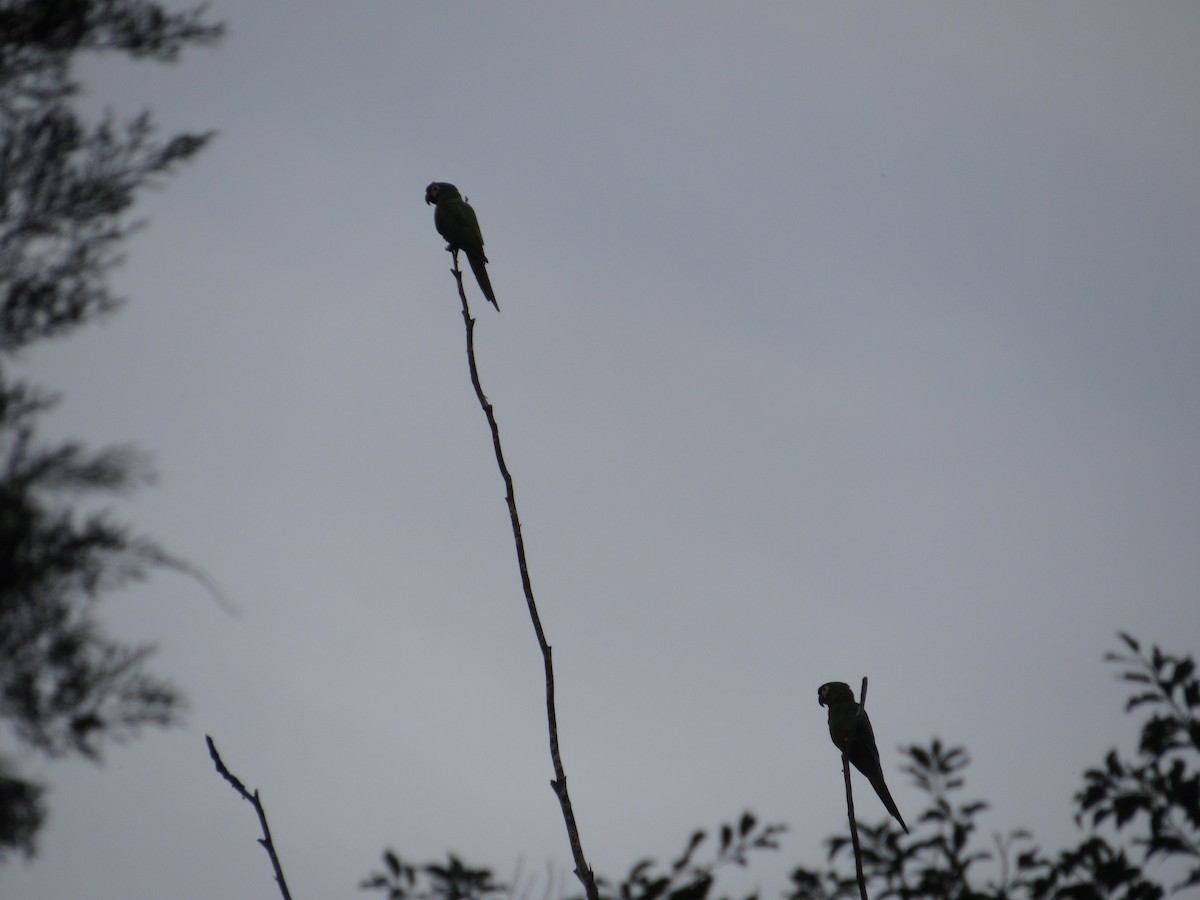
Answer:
(836, 340)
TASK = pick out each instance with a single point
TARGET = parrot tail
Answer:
(885, 795)
(479, 266)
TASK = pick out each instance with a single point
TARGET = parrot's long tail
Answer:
(885, 795)
(479, 266)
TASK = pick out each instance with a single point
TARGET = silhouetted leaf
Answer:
(1140, 699)
(639, 870)
(696, 890)
(694, 842)
(746, 825)
(655, 889)
(1139, 677)
(1130, 642)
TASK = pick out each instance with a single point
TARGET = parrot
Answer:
(456, 222)
(852, 734)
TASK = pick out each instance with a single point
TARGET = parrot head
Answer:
(441, 190)
(834, 692)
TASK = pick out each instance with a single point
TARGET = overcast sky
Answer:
(836, 340)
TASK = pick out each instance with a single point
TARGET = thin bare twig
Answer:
(858, 867)
(265, 840)
(582, 870)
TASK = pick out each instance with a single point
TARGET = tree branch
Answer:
(858, 867)
(582, 870)
(265, 840)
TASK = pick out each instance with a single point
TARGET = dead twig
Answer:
(582, 870)
(253, 799)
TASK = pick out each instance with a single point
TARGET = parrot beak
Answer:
(430, 193)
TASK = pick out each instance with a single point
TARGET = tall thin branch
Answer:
(253, 799)
(582, 870)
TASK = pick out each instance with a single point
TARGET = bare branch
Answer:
(253, 799)
(582, 870)
(858, 866)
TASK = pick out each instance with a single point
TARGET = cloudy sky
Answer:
(836, 340)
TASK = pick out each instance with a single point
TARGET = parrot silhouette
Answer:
(853, 735)
(456, 222)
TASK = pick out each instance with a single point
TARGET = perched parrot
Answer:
(852, 734)
(456, 222)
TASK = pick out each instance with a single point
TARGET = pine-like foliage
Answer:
(66, 190)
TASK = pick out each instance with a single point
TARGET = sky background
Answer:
(836, 340)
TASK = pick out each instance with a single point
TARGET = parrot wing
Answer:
(457, 223)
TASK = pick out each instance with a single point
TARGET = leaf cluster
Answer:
(66, 188)
(40, 39)
(65, 185)
(453, 880)
(1160, 787)
(65, 686)
(689, 878)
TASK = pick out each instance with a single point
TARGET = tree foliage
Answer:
(433, 881)
(1156, 796)
(1158, 790)
(1153, 798)
(65, 185)
(66, 190)
(688, 877)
